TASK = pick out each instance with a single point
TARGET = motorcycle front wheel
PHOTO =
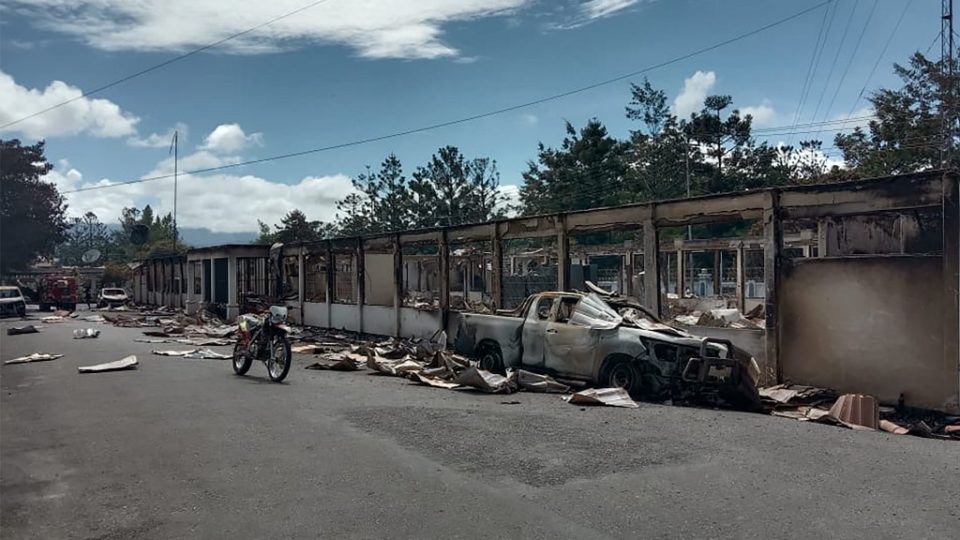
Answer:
(241, 361)
(278, 365)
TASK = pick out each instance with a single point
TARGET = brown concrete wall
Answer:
(868, 324)
(378, 272)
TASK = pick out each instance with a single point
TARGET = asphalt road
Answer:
(185, 449)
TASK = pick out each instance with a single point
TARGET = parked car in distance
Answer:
(112, 297)
(12, 301)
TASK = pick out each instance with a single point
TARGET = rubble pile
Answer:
(855, 411)
(425, 362)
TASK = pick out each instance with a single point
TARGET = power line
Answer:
(811, 124)
(893, 33)
(164, 63)
(836, 57)
(810, 68)
(473, 117)
(846, 68)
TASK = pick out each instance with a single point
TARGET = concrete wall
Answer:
(870, 325)
(379, 320)
(416, 323)
(378, 275)
(315, 314)
(345, 316)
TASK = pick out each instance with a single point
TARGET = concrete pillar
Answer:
(204, 282)
(444, 250)
(717, 268)
(397, 283)
(741, 277)
(651, 268)
(301, 282)
(496, 270)
(951, 279)
(563, 254)
(681, 273)
(331, 271)
(822, 229)
(192, 302)
(233, 306)
(361, 284)
(772, 247)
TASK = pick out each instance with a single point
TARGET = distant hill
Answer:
(203, 237)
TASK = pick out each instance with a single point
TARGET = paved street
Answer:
(185, 449)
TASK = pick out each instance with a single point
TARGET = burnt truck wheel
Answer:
(490, 358)
(623, 374)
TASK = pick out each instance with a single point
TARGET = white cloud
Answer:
(373, 28)
(694, 91)
(508, 197)
(227, 138)
(763, 114)
(530, 118)
(159, 140)
(97, 117)
(219, 202)
(595, 9)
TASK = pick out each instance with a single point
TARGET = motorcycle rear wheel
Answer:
(278, 365)
(241, 362)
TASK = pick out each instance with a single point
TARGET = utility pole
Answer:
(174, 144)
(948, 98)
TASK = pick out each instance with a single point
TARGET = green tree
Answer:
(85, 233)
(294, 228)
(32, 212)
(452, 190)
(587, 171)
(383, 202)
(907, 134)
(142, 234)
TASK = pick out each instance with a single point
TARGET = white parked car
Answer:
(112, 297)
(12, 301)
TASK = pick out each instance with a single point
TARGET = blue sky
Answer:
(346, 70)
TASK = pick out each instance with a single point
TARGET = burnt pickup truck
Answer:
(609, 342)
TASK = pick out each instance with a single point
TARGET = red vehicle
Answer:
(59, 292)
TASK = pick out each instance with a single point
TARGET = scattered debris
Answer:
(52, 319)
(129, 362)
(199, 354)
(344, 363)
(35, 357)
(486, 381)
(613, 397)
(95, 318)
(86, 333)
(535, 382)
(433, 381)
(857, 411)
(183, 352)
(18, 330)
(891, 427)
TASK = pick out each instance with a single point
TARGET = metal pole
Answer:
(176, 137)
(947, 115)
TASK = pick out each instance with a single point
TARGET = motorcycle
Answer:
(264, 338)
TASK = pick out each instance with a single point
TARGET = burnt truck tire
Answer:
(490, 358)
(622, 373)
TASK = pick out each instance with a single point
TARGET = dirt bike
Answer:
(264, 337)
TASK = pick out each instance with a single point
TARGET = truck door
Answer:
(534, 331)
(570, 347)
